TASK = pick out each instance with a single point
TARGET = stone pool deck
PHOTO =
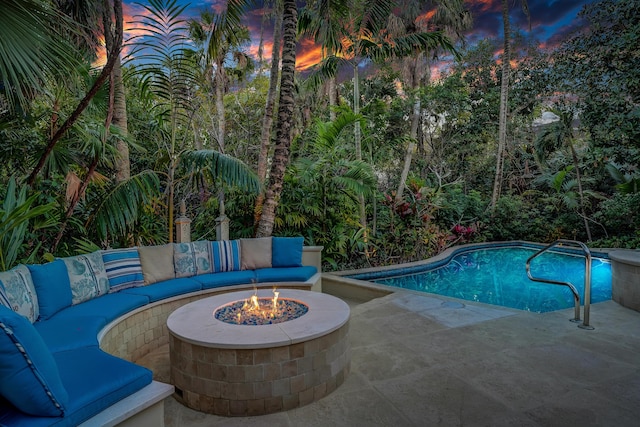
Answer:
(420, 360)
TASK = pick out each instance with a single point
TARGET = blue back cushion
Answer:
(52, 286)
(29, 375)
(226, 255)
(123, 268)
(287, 251)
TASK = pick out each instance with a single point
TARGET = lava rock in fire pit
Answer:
(241, 313)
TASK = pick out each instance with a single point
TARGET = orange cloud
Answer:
(423, 20)
(308, 55)
(483, 5)
(266, 50)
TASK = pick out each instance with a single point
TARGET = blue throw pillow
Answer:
(52, 286)
(29, 376)
(287, 251)
(226, 255)
(123, 268)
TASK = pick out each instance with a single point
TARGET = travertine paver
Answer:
(413, 366)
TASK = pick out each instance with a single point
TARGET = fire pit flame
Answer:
(261, 311)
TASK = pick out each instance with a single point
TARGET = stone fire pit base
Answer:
(240, 370)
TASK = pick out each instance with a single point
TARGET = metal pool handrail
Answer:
(576, 295)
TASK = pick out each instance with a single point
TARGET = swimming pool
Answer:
(496, 275)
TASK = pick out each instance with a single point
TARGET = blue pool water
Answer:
(498, 276)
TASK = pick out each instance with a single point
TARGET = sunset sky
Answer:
(551, 22)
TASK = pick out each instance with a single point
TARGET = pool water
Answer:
(498, 276)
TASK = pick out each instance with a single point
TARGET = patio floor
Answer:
(420, 360)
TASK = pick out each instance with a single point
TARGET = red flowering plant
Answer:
(463, 233)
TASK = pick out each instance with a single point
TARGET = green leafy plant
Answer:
(16, 213)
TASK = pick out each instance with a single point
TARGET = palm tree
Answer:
(364, 37)
(331, 171)
(102, 77)
(324, 22)
(286, 107)
(452, 16)
(169, 72)
(117, 109)
(222, 38)
(504, 100)
(555, 136)
(267, 120)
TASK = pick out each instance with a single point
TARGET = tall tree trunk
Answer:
(84, 103)
(504, 101)
(357, 137)
(414, 73)
(267, 120)
(576, 166)
(222, 124)
(411, 149)
(123, 162)
(118, 106)
(332, 98)
(286, 107)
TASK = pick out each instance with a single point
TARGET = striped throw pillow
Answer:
(123, 268)
(226, 255)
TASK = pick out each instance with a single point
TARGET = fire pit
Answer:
(261, 311)
(278, 353)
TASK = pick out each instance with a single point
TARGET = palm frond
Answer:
(31, 49)
(325, 70)
(121, 207)
(408, 44)
(327, 133)
(223, 168)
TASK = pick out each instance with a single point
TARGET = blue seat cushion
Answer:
(95, 380)
(29, 376)
(216, 280)
(110, 306)
(287, 251)
(53, 287)
(165, 289)
(63, 333)
(292, 274)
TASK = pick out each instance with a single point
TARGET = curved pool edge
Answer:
(358, 284)
(447, 255)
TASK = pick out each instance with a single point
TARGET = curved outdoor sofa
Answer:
(70, 329)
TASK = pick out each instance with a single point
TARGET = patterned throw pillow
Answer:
(192, 258)
(18, 293)
(123, 268)
(226, 255)
(87, 276)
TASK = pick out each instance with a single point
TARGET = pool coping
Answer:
(372, 273)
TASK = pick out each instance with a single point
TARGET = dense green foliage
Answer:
(575, 175)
